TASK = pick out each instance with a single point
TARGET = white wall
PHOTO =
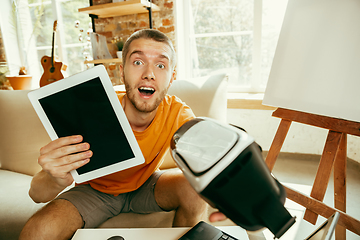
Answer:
(301, 138)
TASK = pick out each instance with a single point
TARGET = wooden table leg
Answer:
(340, 183)
(323, 172)
(277, 143)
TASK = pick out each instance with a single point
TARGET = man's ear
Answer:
(172, 77)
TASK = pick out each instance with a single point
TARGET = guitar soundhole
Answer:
(52, 69)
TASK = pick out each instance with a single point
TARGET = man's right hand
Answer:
(63, 155)
(57, 159)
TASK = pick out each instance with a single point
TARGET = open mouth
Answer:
(148, 91)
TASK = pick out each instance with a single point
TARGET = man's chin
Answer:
(145, 107)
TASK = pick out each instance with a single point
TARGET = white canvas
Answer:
(316, 68)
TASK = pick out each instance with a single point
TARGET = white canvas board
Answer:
(316, 67)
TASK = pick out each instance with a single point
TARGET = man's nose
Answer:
(149, 73)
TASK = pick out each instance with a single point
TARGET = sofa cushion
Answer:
(22, 134)
(205, 95)
(207, 98)
(16, 205)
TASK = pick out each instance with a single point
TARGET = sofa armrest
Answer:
(22, 134)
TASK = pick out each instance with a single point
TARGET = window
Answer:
(237, 37)
(34, 33)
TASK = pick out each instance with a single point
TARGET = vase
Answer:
(119, 54)
(20, 82)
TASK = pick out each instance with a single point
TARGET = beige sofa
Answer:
(22, 135)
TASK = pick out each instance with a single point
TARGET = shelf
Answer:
(99, 61)
(120, 8)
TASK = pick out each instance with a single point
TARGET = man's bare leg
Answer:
(174, 192)
(58, 220)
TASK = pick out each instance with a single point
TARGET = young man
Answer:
(147, 71)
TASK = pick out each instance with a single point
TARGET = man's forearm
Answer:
(43, 188)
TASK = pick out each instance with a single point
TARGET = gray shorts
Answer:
(96, 207)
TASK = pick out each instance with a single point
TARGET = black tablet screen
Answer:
(85, 109)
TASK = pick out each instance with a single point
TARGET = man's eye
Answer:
(162, 66)
(137, 63)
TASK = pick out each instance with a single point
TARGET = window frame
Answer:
(185, 37)
(11, 44)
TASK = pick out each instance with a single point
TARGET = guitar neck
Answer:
(53, 44)
(53, 50)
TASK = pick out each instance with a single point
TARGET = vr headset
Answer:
(226, 168)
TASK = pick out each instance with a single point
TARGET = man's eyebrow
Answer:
(136, 52)
(165, 56)
(142, 53)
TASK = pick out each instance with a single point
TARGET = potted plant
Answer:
(119, 44)
(21, 81)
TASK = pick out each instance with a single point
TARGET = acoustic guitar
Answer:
(52, 69)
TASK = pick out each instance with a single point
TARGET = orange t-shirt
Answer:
(154, 143)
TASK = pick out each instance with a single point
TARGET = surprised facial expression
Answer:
(147, 73)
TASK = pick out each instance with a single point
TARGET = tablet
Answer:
(86, 104)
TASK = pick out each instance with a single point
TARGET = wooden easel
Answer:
(334, 156)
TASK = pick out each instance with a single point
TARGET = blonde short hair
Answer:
(149, 34)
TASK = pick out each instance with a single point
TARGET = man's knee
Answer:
(181, 192)
(57, 220)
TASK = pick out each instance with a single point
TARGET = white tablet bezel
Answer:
(100, 72)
